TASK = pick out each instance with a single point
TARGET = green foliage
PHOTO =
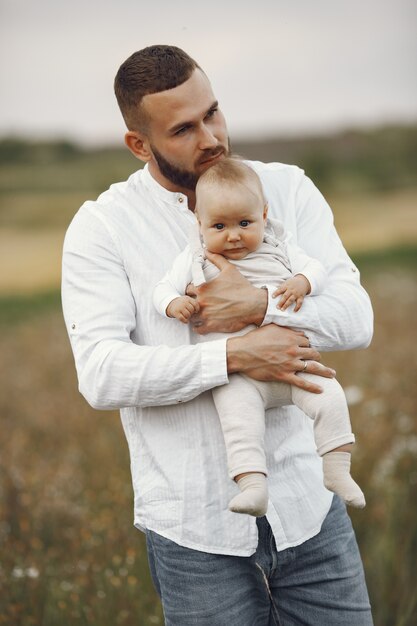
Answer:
(17, 151)
(375, 159)
(377, 260)
(16, 309)
(61, 168)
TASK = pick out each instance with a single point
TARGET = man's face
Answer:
(186, 132)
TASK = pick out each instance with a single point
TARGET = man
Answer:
(299, 564)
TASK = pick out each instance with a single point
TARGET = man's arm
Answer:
(341, 317)
(100, 314)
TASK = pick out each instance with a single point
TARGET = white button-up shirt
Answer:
(159, 375)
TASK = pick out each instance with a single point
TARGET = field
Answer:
(69, 554)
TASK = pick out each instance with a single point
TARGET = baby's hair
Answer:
(231, 170)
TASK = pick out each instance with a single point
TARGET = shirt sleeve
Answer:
(311, 268)
(174, 283)
(100, 315)
(341, 317)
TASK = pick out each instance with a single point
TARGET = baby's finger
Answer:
(182, 318)
(282, 301)
(288, 301)
(298, 304)
(188, 309)
(278, 291)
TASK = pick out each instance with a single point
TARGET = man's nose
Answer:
(207, 140)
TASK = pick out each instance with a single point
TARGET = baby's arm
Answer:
(293, 290)
(172, 288)
(182, 308)
(309, 275)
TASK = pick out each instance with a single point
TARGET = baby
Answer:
(232, 218)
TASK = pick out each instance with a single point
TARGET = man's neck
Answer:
(170, 186)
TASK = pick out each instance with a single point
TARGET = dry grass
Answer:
(376, 221)
(69, 553)
(30, 260)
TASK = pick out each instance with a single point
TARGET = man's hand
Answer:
(275, 353)
(229, 302)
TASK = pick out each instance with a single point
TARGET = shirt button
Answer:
(180, 199)
(353, 269)
(73, 326)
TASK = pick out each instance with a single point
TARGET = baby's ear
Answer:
(265, 211)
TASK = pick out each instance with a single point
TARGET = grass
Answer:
(15, 309)
(68, 552)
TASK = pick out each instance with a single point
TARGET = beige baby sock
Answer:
(337, 478)
(254, 497)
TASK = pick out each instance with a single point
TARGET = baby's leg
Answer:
(242, 418)
(332, 432)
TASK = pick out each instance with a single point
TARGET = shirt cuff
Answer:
(214, 363)
(272, 313)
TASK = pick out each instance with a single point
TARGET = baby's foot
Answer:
(254, 497)
(337, 478)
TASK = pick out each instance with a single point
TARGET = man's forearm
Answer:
(256, 313)
(273, 353)
(339, 319)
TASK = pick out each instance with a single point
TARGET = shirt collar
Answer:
(175, 198)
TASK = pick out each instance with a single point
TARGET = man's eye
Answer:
(181, 131)
(219, 226)
(212, 112)
(244, 223)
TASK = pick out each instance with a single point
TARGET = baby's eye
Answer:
(244, 223)
(218, 226)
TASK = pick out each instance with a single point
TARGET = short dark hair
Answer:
(150, 70)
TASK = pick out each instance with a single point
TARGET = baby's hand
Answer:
(182, 308)
(293, 290)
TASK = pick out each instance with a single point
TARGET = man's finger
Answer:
(218, 260)
(313, 367)
(302, 383)
(308, 354)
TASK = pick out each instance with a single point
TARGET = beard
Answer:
(186, 179)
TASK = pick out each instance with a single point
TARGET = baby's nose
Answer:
(234, 235)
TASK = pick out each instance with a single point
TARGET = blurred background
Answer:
(331, 87)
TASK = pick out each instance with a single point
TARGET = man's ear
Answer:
(138, 145)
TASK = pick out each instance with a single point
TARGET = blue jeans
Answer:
(319, 583)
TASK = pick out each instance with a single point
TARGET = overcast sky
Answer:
(278, 67)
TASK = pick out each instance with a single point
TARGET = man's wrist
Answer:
(233, 363)
(261, 306)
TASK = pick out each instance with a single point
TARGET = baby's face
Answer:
(232, 218)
